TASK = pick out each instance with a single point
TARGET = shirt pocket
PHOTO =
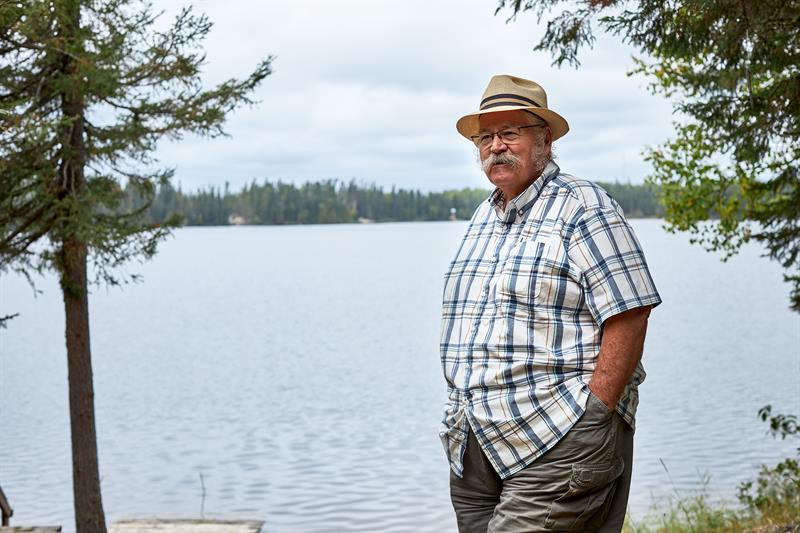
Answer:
(520, 283)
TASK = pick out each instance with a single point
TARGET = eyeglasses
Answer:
(508, 135)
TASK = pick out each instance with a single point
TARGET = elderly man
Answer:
(544, 317)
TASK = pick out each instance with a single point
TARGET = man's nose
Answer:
(497, 145)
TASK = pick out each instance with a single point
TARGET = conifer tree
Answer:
(87, 89)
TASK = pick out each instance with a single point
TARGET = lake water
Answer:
(296, 370)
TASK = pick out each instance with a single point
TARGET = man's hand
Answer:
(620, 351)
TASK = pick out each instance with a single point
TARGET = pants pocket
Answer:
(585, 504)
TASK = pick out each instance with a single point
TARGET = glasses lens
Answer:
(482, 141)
(508, 136)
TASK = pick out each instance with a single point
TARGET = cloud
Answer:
(371, 91)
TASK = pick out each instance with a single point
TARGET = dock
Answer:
(150, 525)
(35, 529)
(185, 526)
(160, 526)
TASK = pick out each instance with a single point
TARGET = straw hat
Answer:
(509, 93)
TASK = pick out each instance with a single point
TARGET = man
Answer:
(544, 317)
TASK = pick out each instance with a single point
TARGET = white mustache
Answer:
(499, 159)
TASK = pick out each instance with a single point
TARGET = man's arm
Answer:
(620, 351)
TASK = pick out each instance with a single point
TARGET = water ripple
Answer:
(302, 381)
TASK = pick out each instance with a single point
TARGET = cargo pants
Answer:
(581, 484)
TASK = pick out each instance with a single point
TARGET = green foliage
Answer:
(776, 487)
(324, 202)
(332, 201)
(732, 69)
(698, 515)
(87, 89)
(769, 503)
(780, 424)
(689, 515)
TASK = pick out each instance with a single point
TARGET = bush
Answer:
(770, 503)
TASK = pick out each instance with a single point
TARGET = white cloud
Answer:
(371, 91)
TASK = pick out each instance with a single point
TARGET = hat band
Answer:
(508, 100)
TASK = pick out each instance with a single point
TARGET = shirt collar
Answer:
(518, 208)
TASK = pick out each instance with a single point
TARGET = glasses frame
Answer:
(476, 139)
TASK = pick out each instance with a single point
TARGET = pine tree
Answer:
(87, 89)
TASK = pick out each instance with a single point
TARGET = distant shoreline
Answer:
(333, 201)
(356, 223)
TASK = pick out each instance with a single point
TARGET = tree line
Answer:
(334, 201)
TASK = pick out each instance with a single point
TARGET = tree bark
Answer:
(89, 515)
(88, 503)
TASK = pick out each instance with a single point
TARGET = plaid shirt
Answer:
(522, 314)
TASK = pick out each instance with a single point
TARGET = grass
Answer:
(769, 504)
(697, 516)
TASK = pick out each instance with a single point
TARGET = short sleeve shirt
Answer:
(523, 307)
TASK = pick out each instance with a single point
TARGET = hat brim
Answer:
(468, 125)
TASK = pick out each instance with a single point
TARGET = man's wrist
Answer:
(603, 396)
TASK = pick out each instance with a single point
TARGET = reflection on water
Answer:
(296, 369)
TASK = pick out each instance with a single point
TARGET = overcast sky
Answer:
(371, 90)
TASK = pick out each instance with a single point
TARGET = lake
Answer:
(291, 374)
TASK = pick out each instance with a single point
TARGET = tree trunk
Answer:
(89, 515)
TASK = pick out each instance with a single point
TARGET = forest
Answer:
(333, 201)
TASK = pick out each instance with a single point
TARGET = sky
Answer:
(371, 90)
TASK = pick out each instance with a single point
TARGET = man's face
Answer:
(530, 152)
